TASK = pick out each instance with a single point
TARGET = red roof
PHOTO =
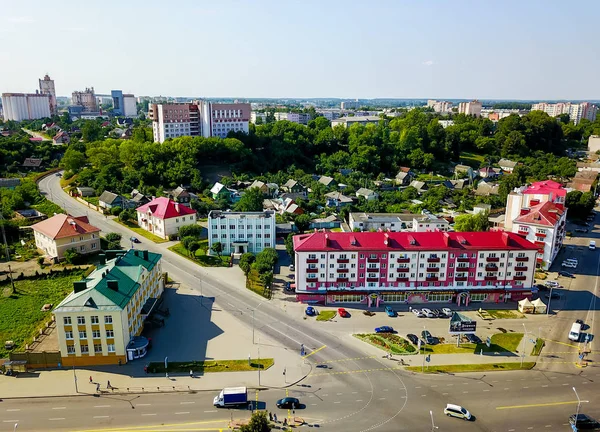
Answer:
(546, 187)
(320, 241)
(61, 225)
(164, 208)
(36, 139)
(546, 213)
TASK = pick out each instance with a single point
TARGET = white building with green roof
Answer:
(101, 320)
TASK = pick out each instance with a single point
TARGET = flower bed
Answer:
(388, 342)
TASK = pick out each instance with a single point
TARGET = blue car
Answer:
(384, 329)
(310, 311)
(390, 312)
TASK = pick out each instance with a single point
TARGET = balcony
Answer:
(312, 261)
(521, 259)
(343, 270)
(403, 260)
(433, 260)
(520, 268)
(372, 279)
(462, 268)
(403, 269)
(373, 260)
(541, 235)
(343, 260)
(460, 278)
(491, 267)
(520, 278)
(490, 278)
(462, 259)
(492, 259)
(433, 269)
(540, 244)
(431, 279)
(342, 279)
(312, 270)
(402, 279)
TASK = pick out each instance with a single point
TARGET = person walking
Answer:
(91, 380)
(146, 369)
(270, 416)
(275, 417)
(98, 387)
(108, 386)
(191, 373)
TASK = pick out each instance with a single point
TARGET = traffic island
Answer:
(464, 368)
(202, 367)
(326, 315)
(388, 342)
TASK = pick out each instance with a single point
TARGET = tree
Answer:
(190, 230)
(246, 262)
(71, 256)
(114, 241)
(259, 422)
(289, 245)
(116, 210)
(192, 248)
(217, 248)
(302, 222)
(476, 222)
(266, 260)
(126, 215)
(251, 201)
(187, 241)
(73, 160)
(91, 131)
(266, 278)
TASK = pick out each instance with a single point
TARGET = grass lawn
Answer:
(502, 342)
(140, 231)
(200, 257)
(21, 312)
(24, 253)
(473, 367)
(505, 314)
(326, 315)
(472, 159)
(537, 349)
(67, 182)
(92, 200)
(388, 342)
(48, 208)
(212, 366)
(466, 348)
(254, 284)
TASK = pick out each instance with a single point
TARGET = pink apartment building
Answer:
(375, 268)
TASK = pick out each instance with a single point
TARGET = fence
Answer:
(37, 360)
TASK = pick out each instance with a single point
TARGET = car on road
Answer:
(473, 338)
(566, 274)
(583, 421)
(412, 338)
(427, 337)
(58, 174)
(292, 267)
(384, 329)
(390, 312)
(288, 402)
(447, 312)
(457, 411)
(427, 313)
(343, 312)
(551, 284)
(418, 313)
(592, 245)
(310, 311)
(134, 240)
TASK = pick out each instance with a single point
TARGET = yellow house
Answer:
(100, 322)
(61, 232)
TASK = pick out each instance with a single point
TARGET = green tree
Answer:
(91, 131)
(246, 261)
(266, 260)
(187, 241)
(217, 248)
(73, 160)
(192, 248)
(259, 422)
(302, 222)
(469, 223)
(114, 241)
(190, 230)
(251, 201)
(71, 256)
(116, 210)
(289, 245)
(266, 279)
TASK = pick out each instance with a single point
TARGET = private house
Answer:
(367, 194)
(138, 199)
(32, 163)
(404, 178)
(329, 222)
(61, 232)
(337, 199)
(9, 183)
(487, 188)
(326, 181)
(462, 170)
(61, 138)
(282, 206)
(84, 191)
(100, 322)
(163, 217)
(507, 165)
(31, 215)
(583, 181)
(419, 186)
(292, 186)
(181, 196)
(219, 191)
(241, 232)
(109, 200)
(489, 173)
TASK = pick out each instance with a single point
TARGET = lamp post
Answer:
(524, 344)
(578, 405)
(75, 378)
(549, 301)
(433, 426)
(253, 321)
(424, 349)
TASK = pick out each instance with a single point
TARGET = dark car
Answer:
(566, 274)
(288, 402)
(437, 313)
(134, 240)
(310, 311)
(412, 338)
(384, 329)
(473, 338)
(390, 312)
(427, 337)
(583, 421)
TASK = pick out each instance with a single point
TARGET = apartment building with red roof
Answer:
(163, 217)
(372, 268)
(62, 232)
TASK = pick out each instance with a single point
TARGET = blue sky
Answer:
(526, 49)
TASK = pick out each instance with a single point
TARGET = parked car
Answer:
(418, 313)
(566, 274)
(412, 338)
(390, 312)
(288, 402)
(552, 284)
(583, 421)
(436, 313)
(473, 338)
(457, 411)
(292, 267)
(427, 313)
(134, 240)
(384, 329)
(343, 312)
(447, 312)
(310, 311)
(427, 337)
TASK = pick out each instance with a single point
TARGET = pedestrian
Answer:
(275, 417)
(167, 375)
(108, 384)
(91, 380)
(146, 369)
(270, 416)
(285, 421)
(410, 308)
(98, 387)
(191, 373)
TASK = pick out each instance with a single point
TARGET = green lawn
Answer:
(201, 257)
(92, 200)
(505, 314)
(537, 349)
(48, 208)
(449, 348)
(21, 311)
(472, 159)
(473, 367)
(140, 231)
(502, 342)
(254, 284)
(388, 342)
(212, 366)
(326, 315)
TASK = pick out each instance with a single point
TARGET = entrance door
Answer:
(241, 249)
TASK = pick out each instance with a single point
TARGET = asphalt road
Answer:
(359, 393)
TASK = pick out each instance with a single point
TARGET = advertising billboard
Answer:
(461, 324)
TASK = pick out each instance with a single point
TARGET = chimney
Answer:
(113, 285)
(79, 286)
(446, 238)
(524, 211)
(145, 253)
(326, 240)
(386, 240)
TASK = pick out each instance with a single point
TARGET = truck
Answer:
(231, 396)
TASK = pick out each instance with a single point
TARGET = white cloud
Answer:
(21, 20)
(428, 63)
(74, 29)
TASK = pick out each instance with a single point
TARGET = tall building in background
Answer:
(470, 108)
(576, 111)
(350, 105)
(440, 106)
(47, 88)
(25, 106)
(86, 99)
(124, 105)
(199, 118)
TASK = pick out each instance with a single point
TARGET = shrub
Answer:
(116, 211)
(40, 262)
(190, 230)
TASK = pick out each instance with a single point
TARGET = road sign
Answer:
(488, 342)
(428, 358)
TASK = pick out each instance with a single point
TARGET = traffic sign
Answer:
(488, 341)
(428, 358)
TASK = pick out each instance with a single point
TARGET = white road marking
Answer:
(142, 404)
(508, 380)
(530, 427)
(449, 385)
(182, 412)
(56, 418)
(337, 402)
(545, 385)
(338, 394)
(209, 411)
(418, 387)
(506, 388)
(13, 409)
(511, 430)
(423, 395)
(101, 406)
(548, 426)
(525, 387)
(59, 408)
(325, 395)
(465, 392)
(585, 382)
(149, 414)
(385, 390)
(487, 390)
(100, 416)
(381, 398)
(433, 386)
(566, 384)
(10, 421)
(354, 392)
(359, 400)
(444, 394)
(495, 381)
(313, 404)
(186, 403)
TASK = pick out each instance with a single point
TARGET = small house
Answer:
(367, 194)
(138, 199)
(181, 196)
(419, 186)
(9, 183)
(329, 222)
(109, 200)
(219, 191)
(85, 191)
(326, 181)
(337, 199)
(32, 163)
(261, 186)
(292, 186)
(61, 138)
(507, 165)
(460, 170)
(404, 178)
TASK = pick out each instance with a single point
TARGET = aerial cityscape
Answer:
(273, 216)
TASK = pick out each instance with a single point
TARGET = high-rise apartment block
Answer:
(124, 105)
(348, 105)
(86, 99)
(25, 106)
(47, 88)
(472, 108)
(300, 118)
(440, 106)
(199, 118)
(576, 111)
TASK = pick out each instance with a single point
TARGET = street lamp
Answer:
(549, 301)
(524, 344)
(433, 426)
(578, 405)
(253, 321)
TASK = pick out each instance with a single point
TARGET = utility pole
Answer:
(524, 345)
(75, 378)
(7, 251)
(578, 406)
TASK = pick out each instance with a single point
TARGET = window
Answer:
(110, 333)
(82, 248)
(96, 334)
(108, 319)
(322, 266)
(110, 348)
(322, 256)
(82, 334)
(67, 320)
(94, 319)
(331, 275)
(93, 245)
(85, 349)
(81, 320)
(331, 265)
(97, 348)
(383, 256)
(68, 334)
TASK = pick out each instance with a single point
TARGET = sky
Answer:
(508, 49)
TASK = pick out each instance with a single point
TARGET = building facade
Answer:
(241, 232)
(472, 108)
(576, 111)
(434, 267)
(56, 235)
(440, 106)
(47, 88)
(396, 222)
(300, 118)
(350, 105)
(25, 106)
(163, 217)
(219, 119)
(123, 104)
(86, 99)
(100, 322)
(349, 121)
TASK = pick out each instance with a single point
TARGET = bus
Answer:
(575, 332)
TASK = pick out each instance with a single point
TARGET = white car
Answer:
(452, 410)
(592, 245)
(418, 313)
(569, 264)
(552, 284)
(447, 312)
(427, 313)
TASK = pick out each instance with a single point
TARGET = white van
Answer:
(452, 410)
(575, 332)
(592, 245)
